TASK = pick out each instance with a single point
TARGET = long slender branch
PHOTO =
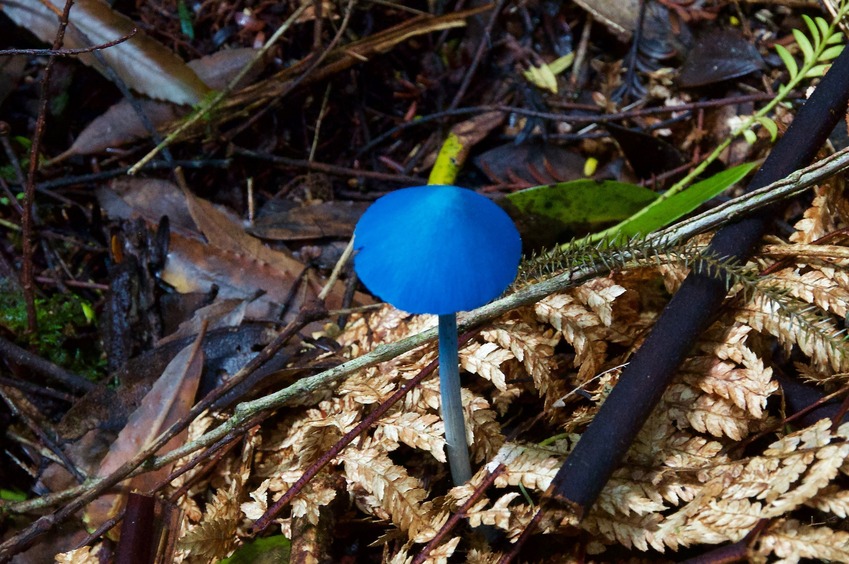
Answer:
(217, 99)
(27, 275)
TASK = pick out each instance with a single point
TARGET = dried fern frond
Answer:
(788, 474)
(791, 541)
(706, 413)
(82, 555)
(215, 536)
(580, 327)
(831, 499)
(732, 371)
(386, 491)
(503, 514)
(819, 337)
(423, 431)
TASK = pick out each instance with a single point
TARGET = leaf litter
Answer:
(716, 460)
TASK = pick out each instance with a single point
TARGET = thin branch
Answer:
(461, 513)
(68, 52)
(28, 251)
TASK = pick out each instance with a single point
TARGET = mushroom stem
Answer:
(452, 406)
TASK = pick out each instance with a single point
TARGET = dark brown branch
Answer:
(137, 532)
(606, 440)
(328, 168)
(67, 52)
(590, 114)
(27, 274)
(23, 357)
(459, 514)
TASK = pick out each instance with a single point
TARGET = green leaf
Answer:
(665, 212)
(812, 27)
(770, 126)
(823, 25)
(581, 205)
(836, 38)
(265, 550)
(561, 64)
(750, 136)
(831, 53)
(816, 71)
(788, 60)
(805, 45)
(12, 495)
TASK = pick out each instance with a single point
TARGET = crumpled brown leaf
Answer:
(143, 63)
(120, 124)
(170, 398)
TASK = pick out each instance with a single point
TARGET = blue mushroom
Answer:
(439, 250)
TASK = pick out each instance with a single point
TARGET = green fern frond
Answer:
(823, 46)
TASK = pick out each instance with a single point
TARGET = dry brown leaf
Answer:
(143, 63)
(82, 555)
(149, 198)
(226, 234)
(170, 398)
(194, 266)
(120, 124)
(469, 133)
(312, 221)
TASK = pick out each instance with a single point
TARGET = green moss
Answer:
(64, 330)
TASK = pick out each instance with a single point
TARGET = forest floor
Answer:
(191, 370)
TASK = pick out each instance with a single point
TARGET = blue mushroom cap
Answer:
(436, 249)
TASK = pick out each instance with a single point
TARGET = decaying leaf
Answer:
(170, 398)
(82, 555)
(325, 219)
(144, 64)
(121, 124)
